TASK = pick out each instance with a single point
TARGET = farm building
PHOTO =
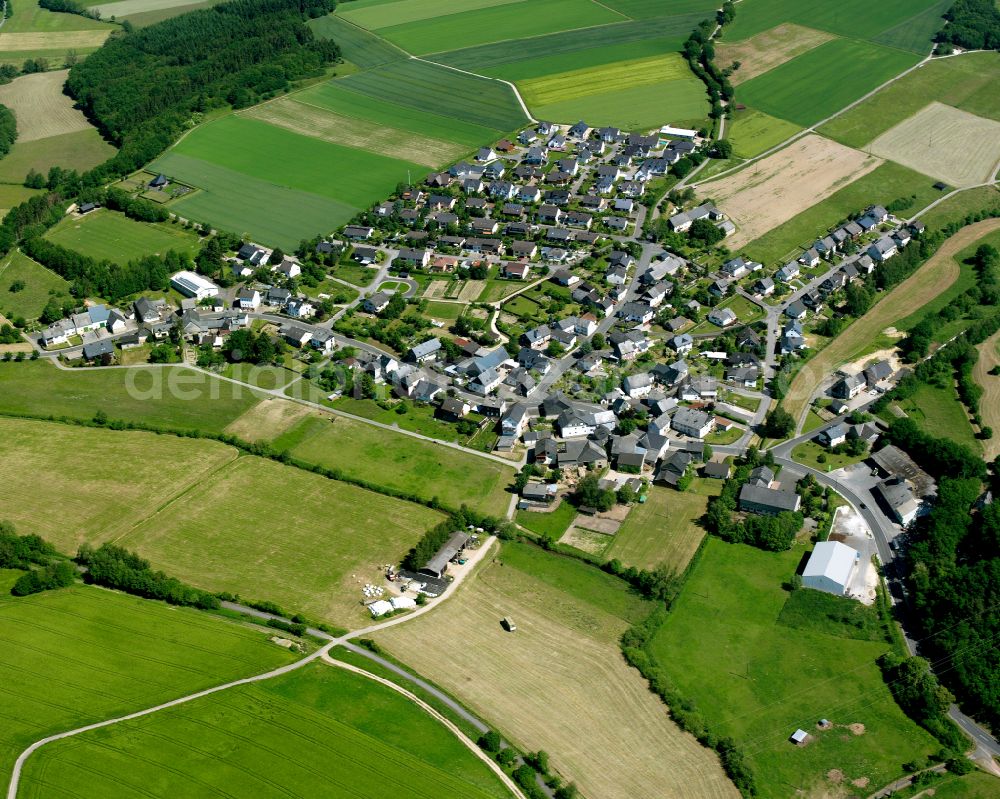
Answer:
(191, 285)
(831, 567)
(438, 565)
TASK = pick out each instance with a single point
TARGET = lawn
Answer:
(303, 541)
(172, 397)
(665, 530)
(127, 476)
(112, 236)
(551, 525)
(433, 89)
(402, 463)
(809, 453)
(757, 679)
(560, 679)
(444, 311)
(39, 285)
(753, 132)
(495, 24)
(820, 82)
(319, 731)
(633, 94)
(968, 82)
(883, 184)
(82, 654)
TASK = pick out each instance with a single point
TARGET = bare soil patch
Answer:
(835, 775)
(586, 540)
(268, 419)
(320, 123)
(435, 288)
(40, 107)
(856, 728)
(769, 49)
(597, 524)
(960, 148)
(772, 191)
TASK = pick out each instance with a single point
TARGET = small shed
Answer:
(798, 737)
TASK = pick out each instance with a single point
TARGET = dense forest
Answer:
(143, 86)
(972, 25)
(8, 130)
(955, 585)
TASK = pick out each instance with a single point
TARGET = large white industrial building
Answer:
(831, 567)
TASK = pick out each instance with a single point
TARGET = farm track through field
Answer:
(934, 277)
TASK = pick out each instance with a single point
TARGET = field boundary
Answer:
(517, 94)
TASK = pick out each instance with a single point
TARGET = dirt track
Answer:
(921, 287)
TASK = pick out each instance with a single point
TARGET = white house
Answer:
(192, 285)
(831, 567)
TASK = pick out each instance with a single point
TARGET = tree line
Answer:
(44, 569)
(700, 54)
(972, 25)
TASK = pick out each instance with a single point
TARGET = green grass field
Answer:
(967, 82)
(172, 397)
(917, 32)
(356, 44)
(82, 150)
(29, 17)
(938, 411)
(809, 453)
(753, 132)
(956, 208)
(79, 655)
(551, 525)
(319, 731)
(885, 183)
(39, 285)
(377, 14)
(401, 462)
(638, 93)
(431, 88)
(264, 530)
(664, 530)
(14, 194)
(842, 18)
(758, 680)
(127, 476)
(536, 56)
(646, 9)
(823, 80)
(281, 201)
(496, 23)
(112, 236)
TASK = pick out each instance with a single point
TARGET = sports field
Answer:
(666, 529)
(761, 197)
(944, 142)
(448, 30)
(756, 679)
(79, 655)
(632, 94)
(934, 277)
(823, 80)
(401, 462)
(886, 183)
(38, 283)
(318, 731)
(172, 397)
(112, 236)
(768, 49)
(275, 532)
(559, 683)
(122, 478)
(434, 89)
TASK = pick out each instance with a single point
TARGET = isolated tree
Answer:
(779, 423)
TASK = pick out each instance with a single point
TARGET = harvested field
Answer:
(989, 406)
(774, 190)
(51, 40)
(268, 419)
(126, 8)
(559, 683)
(320, 123)
(38, 103)
(769, 49)
(934, 277)
(960, 148)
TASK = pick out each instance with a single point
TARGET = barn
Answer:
(831, 567)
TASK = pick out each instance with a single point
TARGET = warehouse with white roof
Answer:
(193, 285)
(831, 567)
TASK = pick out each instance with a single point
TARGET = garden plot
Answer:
(774, 190)
(769, 49)
(960, 148)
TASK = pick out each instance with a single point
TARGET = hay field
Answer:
(268, 419)
(772, 191)
(559, 683)
(320, 731)
(83, 654)
(82, 150)
(960, 148)
(265, 530)
(321, 123)
(41, 108)
(769, 49)
(73, 484)
(51, 40)
(989, 407)
(934, 277)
